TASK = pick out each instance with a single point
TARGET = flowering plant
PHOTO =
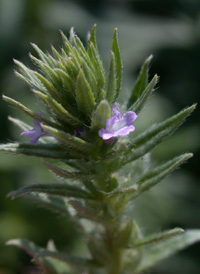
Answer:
(81, 126)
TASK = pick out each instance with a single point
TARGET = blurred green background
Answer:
(170, 30)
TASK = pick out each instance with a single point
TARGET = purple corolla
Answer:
(35, 133)
(117, 125)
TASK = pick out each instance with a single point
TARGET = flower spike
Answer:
(117, 125)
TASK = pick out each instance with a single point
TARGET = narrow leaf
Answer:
(140, 83)
(53, 151)
(138, 105)
(20, 124)
(92, 37)
(84, 95)
(118, 62)
(112, 80)
(166, 248)
(60, 189)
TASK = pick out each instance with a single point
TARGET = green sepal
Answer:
(84, 95)
(161, 250)
(72, 37)
(88, 212)
(60, 189)
(101, 115)
(67, 82)
(54, 151)
(92, 36)
(138, 105)
(53, 203)
(61, 113)
(42, 55)
(124, 234)
(118, 62)
(72, 260)
(47, 265)
(111, 87)
(66, 174)
(27, 111)
(155, 135)
(141, 83)
(68, 139)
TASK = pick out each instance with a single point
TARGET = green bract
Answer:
(77, 96)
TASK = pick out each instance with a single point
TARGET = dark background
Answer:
(170, 30)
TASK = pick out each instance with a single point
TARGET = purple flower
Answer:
(117, 125)
(35, 133)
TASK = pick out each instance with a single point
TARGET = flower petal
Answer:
(104, 134)
(124, 131)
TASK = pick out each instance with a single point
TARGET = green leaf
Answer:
(111, 89)
(27, 111)
(72, 260)
(52, 151)
(60, 189)
(84, 95)
(151, 178)
(156, 237)
(166, 248)
(48, 265)
(101, 115)
(68, 83)
(42, 55)
(61, 113)
(118, 62)
(138, 105)
(155, 135)
(20, 124)
(68, 139)
(54, 203)
(92, 37)
(66, 174)
(141, 83)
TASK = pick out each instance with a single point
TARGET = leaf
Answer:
(49, 265)
(141, 83)
(92, 37)
(27, 111)
(156, 237)
(66, 174)
(59, 110)
(84, 95)
(151, 178)
(75, 261)
(166, 248)
(20, 124)
(60, 189)
(138, 105)
(53, 151)
(118, 62)
(68, 139)
(42, 55)
(53, 203)
(155, 135)
(111, 90)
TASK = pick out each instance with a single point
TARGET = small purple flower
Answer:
(35, 133)
(117, 125)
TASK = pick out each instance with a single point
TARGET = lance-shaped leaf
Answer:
(60, 189)
(157, 252)
(68, 139)
(48, 265)
(138, 105)
(88, 212)
(20, 124)
(101, 115)
(111, 88)
(84, 95)
(53, 151)
(53, 203)
(59, 110)
(68, 83)
(141, 83)
(66, 174)
(27, 111)
(42, 55)
(72, 260)
(156, 237)
(118, 62)
(155, 135)
(92, 36)
(151, 178)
